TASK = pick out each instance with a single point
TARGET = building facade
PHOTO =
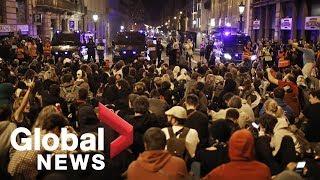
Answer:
(119, 15)
(101, 27)
(226, 12)
(53, 15)
(283, 19)
(16, 17)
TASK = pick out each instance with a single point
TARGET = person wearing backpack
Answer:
(181, 141)
(155, 163)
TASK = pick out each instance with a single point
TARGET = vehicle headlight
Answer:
(227, 56)
(56, 53)
(124, 52)
(134, 52)
(253, 57)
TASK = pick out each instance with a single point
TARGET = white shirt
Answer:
(192, 138)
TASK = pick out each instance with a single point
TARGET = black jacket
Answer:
(264, 154)
(212, 157)
(140, 125)
(200, 122)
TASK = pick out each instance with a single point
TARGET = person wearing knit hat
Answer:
(176, 117)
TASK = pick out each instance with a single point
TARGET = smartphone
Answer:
(300, 166)
(255, 125)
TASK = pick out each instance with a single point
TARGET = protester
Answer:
(141, 122)
(308, 58)
(242, 164)
(155, 162)
(216, 154)
(196, 119)
(177, 116)
(312, 113)
(189, 51)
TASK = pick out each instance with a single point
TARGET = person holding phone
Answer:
(308, 58)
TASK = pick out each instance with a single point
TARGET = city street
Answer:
(81, 99)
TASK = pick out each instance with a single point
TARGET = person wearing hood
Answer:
(242, 163)
(155, 163)
(6, 150)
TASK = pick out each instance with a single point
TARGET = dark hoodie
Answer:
(242, 165)
(157, 165)
(6, 149)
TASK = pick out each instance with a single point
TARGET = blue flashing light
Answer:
(227, 56)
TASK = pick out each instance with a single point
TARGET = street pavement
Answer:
(165, 58)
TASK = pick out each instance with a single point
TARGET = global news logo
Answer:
(69, 142)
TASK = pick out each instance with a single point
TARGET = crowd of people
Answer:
(253, 120)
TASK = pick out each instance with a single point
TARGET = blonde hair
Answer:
(51, 74)
(166, 77)
(43, 115)
(272, 107)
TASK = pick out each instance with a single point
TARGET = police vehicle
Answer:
(65, 44)
(229, 44)
(129, 46)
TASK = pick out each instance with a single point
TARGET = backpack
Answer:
(177, 146)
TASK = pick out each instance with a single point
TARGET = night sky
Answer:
(153, 9)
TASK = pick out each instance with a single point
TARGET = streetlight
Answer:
(180, 12)
(194, 22)
(121, 28)
(95, 18)
(175, 17)
(241, 11)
